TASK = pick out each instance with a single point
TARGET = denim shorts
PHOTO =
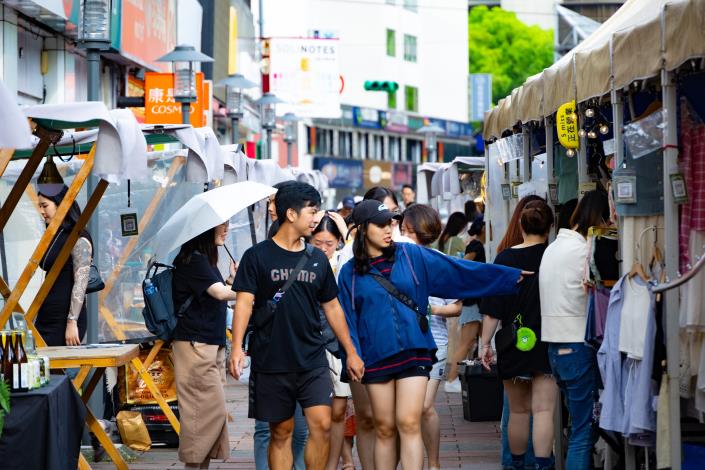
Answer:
(470, 314)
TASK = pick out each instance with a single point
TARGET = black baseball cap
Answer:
(349, 202)
(373, 211)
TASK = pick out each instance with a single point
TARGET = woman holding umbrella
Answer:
(199, 348)
(197, 229)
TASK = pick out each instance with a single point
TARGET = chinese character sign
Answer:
(160, 106)
(567, 125)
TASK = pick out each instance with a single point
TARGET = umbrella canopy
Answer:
(205, 211)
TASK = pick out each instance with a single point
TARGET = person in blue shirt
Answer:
(394, 341)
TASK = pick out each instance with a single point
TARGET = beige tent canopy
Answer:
(633, 44)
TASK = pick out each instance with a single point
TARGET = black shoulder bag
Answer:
(263, 316)
(403, 298)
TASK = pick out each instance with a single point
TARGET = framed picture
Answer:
(506, 192)
(128, 224)
(680, 191)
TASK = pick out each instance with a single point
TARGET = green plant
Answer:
(502, 45)
(4, 403)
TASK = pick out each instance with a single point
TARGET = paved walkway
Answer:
(464, 445)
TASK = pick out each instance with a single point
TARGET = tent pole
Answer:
(526, 134)
(670, 167)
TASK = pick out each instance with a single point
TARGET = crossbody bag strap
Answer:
(297, 269)
(394, 292)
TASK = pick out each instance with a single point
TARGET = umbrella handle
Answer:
(229, 254)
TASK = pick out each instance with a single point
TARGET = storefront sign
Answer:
(567, 125)
(377, 173)
(341, 173)
(148, 31)
(394, 121)
(305, 73)
(135, 87)
(160, 106)
(366, 117)
(402, 173)
(460, 130)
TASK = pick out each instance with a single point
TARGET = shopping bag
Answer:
(133, 431)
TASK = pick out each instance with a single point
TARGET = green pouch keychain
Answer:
(526, 338)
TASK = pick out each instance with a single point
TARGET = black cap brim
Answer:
(383, 218)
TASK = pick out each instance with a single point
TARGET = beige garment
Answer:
(200, 376)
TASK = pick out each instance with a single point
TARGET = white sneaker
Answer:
(453, 387)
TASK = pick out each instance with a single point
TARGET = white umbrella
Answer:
(205, 211)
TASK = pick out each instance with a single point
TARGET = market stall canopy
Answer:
(205, 157)
(632, 44)
(121, 149)
(14, 132)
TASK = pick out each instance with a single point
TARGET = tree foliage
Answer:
(502, 45)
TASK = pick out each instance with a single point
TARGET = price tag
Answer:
(586, 187)
(506, 192)
(128, 224)
(624, 182)
(680, 190)
(553, 193)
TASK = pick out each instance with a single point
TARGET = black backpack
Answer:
(159, 315)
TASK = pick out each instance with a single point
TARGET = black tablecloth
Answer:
(44, 428)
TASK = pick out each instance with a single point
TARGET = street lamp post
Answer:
(94, 36)
(431, 133)
(291, 122)
(182, 58)
(234, 86)
(268, 117)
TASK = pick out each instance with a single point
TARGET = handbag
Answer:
(515, 334)
(403, 298)
(95, 282)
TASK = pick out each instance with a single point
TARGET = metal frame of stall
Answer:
(49, 136)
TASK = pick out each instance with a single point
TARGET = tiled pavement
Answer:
(464, 445)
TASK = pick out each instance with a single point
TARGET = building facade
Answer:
(420, 46)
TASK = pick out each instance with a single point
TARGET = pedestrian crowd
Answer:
(349, 322)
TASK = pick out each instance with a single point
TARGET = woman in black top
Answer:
(61, 319)
(526, 372)
(199, 348)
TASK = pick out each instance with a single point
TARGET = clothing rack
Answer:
(682, 279)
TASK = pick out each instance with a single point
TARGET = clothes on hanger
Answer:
(635, 312)
(692, 166)
(627, 398)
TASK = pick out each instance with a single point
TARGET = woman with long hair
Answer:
(327, 237)
(526, 372)
(563, 322)
(199, 348)
(450, 241)
(384, 293)
(513, 234)
(422, 224)
(62, 318)
(364, 421)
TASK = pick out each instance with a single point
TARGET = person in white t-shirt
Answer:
(422, 224)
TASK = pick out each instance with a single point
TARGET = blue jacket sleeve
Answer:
(455, 278)
(346, 301)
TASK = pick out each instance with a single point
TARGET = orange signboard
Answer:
(160, 106)
(148, 31)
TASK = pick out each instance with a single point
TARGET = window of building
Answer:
(378, 148)
(413, 150)
(411, 94)
(409, 48)
(324, 142)
(392, 100)
(411, 5)
(395, 149)
(391, 43)
(362, 145)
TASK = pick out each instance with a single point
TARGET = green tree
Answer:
(502, 45)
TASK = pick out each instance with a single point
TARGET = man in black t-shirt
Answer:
(287, 347)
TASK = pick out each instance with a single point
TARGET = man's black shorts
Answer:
(273, 397)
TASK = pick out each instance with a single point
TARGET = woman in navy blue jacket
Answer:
(393, 340)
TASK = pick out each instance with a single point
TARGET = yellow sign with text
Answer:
(567, 126)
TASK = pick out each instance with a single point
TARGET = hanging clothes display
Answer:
(628, 395)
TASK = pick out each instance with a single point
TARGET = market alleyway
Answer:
(464, 445)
